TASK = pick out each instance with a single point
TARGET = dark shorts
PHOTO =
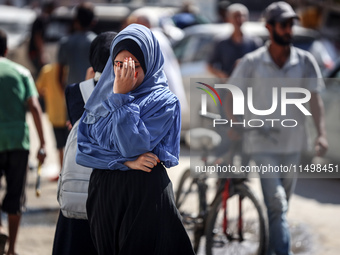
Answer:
(133, 212)
(60, 135)
(13, 165)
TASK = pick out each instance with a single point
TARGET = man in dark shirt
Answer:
(226, 52)
(73, 49)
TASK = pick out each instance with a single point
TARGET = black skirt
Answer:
(133, 212)
(72, 237)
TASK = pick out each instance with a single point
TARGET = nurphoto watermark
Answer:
(267, 115)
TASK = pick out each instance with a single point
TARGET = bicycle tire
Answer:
(179, 195)
(254, 229)
(188, 203)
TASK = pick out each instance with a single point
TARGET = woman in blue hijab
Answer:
(129, 131)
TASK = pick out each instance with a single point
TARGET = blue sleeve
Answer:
(127, 132)
(89, 154)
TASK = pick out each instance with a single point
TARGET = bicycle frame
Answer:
(226, 188)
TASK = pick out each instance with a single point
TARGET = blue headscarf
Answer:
(145, 119)
(154, 78)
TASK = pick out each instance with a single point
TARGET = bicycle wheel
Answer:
(184, 188)
(246, 235)
(189, 204)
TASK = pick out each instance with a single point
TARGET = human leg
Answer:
(13, 227)
(3, 235)
(277, 205)
(289, 179)
(15, 198)
(60, 135)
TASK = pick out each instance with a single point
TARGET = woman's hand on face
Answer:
(126, 77)
(144, 162)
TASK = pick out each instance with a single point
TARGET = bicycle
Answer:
(229, 228)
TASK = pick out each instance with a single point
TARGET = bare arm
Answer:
(317, 109)
(35, 109)
(39, 43)
(144, 162)
(61, 76)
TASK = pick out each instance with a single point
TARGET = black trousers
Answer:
(133, 212)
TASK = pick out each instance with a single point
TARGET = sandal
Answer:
(3, 240)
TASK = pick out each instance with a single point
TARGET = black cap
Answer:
(279, 12)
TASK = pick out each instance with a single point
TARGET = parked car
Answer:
(17, 22)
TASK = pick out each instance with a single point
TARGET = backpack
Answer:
(74, 179)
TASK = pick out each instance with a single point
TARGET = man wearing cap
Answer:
(279, 64)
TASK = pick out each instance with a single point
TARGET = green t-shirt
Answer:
(16, 87)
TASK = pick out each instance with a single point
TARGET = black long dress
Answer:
(133, 212)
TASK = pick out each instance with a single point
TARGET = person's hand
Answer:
(126, 77)
(41, 154)
(321, 146)
(144, 162)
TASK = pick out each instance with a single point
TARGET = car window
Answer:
(204, 46)
(194, 48)
(13, 27)
(304, 45)
(336, 73)
(191, 49)
(180, 47)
